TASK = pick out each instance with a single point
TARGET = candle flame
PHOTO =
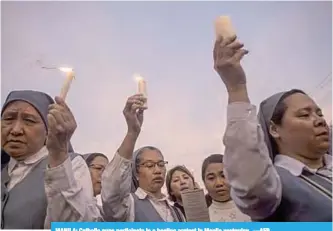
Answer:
(65, 69)
(138, 77)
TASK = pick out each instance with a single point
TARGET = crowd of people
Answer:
(275, 167)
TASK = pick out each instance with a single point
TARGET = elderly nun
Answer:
(132, 183)
(44, 180)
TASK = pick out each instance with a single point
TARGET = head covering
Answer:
(266, 110)
(181, 168)
(212, 159)
(135, 159)
(39, 100)
(265, 115)
(89, 157)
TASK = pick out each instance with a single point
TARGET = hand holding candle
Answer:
(228, 53)
(142, 87)
(224, 28)
(69, 78)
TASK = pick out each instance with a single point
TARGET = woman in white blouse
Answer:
(222, 207)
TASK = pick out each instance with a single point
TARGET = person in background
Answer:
(290, 132)
(96, 163)
(222, 207)
(29, 134)
(178, 180)
(146, 168)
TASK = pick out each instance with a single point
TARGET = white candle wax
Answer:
(68, 81)
(224, 28)
(142, 88)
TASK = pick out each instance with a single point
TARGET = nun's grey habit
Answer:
(135, 181)
(24, 206)
(124, 203)
(304, 198)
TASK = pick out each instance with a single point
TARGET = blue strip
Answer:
(191, 226)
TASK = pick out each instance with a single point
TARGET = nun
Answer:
(276, 163)
(297, 137)
(132, 182)
(44, 180)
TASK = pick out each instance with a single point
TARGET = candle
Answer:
(69, 78)
(142, 87)
(224, 28)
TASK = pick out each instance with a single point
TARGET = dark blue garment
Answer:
(4, 158)
(301, 201)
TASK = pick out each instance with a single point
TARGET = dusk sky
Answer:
(170, 44)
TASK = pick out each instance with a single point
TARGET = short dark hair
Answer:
(169, 177)
(92, 156)
(212, 159)
(209, 200)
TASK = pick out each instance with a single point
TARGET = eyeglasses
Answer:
(97, 167)
(151, 164)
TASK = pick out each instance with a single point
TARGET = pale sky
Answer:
(170, 44)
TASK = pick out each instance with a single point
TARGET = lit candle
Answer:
(142, 87)
(69, 78)
(224, 28)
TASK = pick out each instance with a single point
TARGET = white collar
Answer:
(29, 160)
(296, 167)
(142, 194)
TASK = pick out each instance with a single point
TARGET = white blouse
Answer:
(226, 211)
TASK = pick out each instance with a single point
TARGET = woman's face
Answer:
(23, 131)
(303, 129)
(215, 182)
(96, 168)
(180, 182)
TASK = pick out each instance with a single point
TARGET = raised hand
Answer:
(133, 113)
(227, 56)
(61, 126)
